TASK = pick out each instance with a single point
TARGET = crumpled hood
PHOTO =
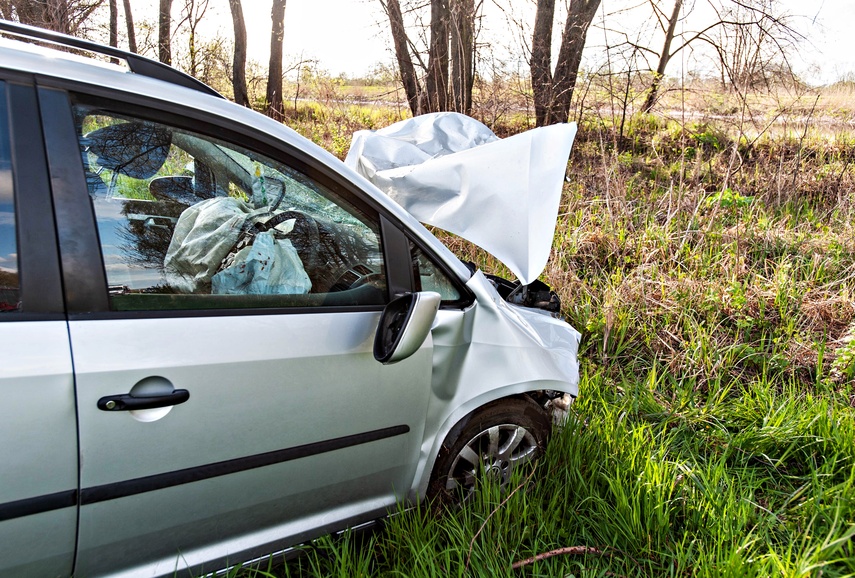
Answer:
(451, 171)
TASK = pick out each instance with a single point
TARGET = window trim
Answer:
(40, 285)
(466, 297)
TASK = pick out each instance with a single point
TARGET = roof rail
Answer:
(136, 63)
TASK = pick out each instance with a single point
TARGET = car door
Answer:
(38, 430)
(276, 424)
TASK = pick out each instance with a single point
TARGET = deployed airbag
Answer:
(204, 255)
(451, 171)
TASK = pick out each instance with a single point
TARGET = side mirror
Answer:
(404, 325)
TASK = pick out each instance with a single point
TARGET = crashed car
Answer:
(220, 341)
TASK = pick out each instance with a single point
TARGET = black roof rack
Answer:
(136, 63)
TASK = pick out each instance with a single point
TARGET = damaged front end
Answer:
(536, 295)
(450, 171)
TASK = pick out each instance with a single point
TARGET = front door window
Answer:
(188, 221)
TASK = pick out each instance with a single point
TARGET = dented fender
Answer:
(488, 351)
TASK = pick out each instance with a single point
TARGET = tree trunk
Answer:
(553, 91)
(66, 16)
(664, 57)
(239, 62)
(541, 60)
(462, 54)
(405, 63)
(50, 14)
(451, 42)
(164, 25)
(274, 74)
(114, 27)
(129, 20)
(114, 24)
(579, 17)
(436, 82)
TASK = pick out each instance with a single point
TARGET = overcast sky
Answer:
(351, 36)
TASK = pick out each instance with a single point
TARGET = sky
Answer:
(352, 37)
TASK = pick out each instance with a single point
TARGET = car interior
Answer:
(143, 176)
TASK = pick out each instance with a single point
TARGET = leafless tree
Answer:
(666, 54)
(114, 23)
(274, 74)
(192, 14)
(66, 16)
(747, 38)
(553, 91)
(239, 61)
(129, 20)
(436, 81)
(753, 43)
(462, 25)
(164, 32)
(412, 88)
(449, 74)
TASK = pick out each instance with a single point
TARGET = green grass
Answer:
(713, 279)
(660, 478)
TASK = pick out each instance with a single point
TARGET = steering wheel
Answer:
(355, 277)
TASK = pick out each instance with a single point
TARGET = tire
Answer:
(492, 440)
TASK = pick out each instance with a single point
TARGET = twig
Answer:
(568, 551)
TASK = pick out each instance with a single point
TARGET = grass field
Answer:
(710, 265)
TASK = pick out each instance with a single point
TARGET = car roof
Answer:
(48, 62)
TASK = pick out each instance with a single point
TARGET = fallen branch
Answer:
(568, 551)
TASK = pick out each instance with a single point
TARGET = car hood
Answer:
(451, 171)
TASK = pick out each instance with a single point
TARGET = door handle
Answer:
(126, 401)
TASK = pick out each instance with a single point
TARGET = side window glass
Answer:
(10, 290)
(429, 277)
(188, 221)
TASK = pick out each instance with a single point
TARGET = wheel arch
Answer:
(457, 418)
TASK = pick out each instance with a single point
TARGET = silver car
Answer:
(218, 341)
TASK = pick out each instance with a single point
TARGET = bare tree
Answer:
(274, 74)
(129, 20)
(66, 16)
(114, 27)
(412, 88)
(192, 14)
(753, 43)
(462, 25)
(665, 55)
(746, 36)
(436, 81)
(164, 44)
(239, 61)
(448, 76)
(553, 91)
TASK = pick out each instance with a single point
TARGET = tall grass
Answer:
(712, 274)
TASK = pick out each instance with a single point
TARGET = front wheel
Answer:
(491, 442)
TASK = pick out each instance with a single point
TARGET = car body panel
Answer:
(38, 429)
(489, 351)
(202, 472)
